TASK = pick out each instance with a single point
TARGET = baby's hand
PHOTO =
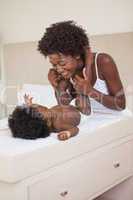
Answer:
(28, 99)
(64, 135)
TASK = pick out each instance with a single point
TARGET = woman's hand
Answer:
(54, 77)
(81, 85)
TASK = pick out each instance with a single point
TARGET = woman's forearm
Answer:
(82, 103)
(112, 102)
(63, 98)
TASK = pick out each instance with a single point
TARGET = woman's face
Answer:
(66, 66)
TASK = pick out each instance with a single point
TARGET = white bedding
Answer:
(95, 120)
(23, 158)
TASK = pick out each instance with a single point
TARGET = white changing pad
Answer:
(23, 158)
(3, 124)
(96, 119)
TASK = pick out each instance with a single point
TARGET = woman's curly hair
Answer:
(64, 37)
(25, 122)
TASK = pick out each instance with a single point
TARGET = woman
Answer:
(79, 73)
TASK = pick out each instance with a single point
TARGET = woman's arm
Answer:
(116, 97)
(116, 102)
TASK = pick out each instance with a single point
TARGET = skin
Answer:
(61, 119)
(64, 67)
(72, 67)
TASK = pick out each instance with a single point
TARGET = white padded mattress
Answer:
(21, 158)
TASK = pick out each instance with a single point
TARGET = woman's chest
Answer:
(92, 73)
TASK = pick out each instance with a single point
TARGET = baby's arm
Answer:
(64, 135)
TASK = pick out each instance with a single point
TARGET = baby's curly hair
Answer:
(26, 122)
(64, 37)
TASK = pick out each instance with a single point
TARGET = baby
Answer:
(31, 121)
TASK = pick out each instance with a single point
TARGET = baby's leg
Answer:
(62, 93)
(82, 103)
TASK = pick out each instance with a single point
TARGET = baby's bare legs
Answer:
(62, 93)
(64, 97)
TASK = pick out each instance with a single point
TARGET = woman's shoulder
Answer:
(106, 64)
(104, 58)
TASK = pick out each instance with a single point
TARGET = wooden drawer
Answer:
(82, 177)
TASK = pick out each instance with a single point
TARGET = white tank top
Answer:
(100, 84)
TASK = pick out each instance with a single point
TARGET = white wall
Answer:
(1, 62)
(2, 80)
(26, 20)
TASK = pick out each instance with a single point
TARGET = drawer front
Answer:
(82, 177)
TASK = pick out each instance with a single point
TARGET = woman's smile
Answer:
(66, 74)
